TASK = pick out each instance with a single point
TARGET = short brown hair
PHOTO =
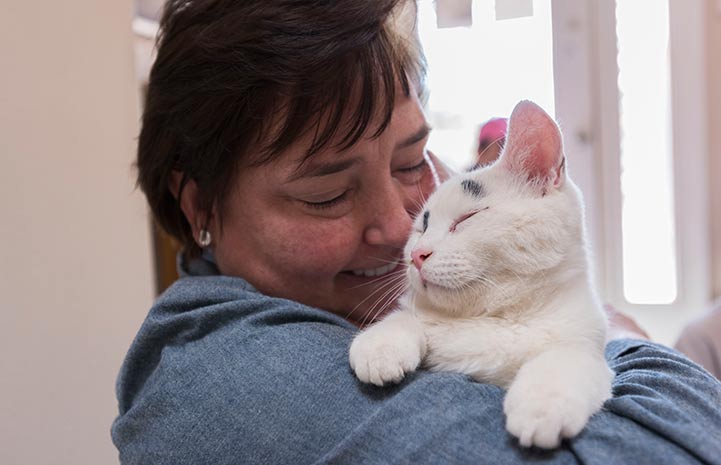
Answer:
(226, 69)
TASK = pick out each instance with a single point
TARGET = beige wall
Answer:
(76, 273)
(713, 59)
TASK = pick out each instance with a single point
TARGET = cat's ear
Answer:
(534, 147)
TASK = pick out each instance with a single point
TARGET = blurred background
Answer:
(634, 85)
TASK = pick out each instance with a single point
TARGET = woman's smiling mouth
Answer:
(380, 271)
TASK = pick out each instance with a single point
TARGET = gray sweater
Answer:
(221, 374)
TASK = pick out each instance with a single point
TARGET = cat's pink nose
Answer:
(419, 256)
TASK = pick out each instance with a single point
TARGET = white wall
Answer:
(75, 273)
(713, 45)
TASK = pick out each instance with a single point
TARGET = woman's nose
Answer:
(390, 222)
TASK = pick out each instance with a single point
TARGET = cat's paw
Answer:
(379, 358)
(542, 417)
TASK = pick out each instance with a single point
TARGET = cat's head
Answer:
(487, 236)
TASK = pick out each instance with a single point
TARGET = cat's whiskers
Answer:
(486, 280)
(391, 290)
(388, 283)
(396, 285)
(392, 274)
(390, 296)
(385, 260)
(391, 282)
(392, 299)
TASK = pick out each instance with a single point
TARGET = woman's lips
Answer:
(376, 272)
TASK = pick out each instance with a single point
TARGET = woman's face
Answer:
(330, 233)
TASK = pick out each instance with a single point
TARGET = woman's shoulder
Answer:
(226, 310)
(223, 300)
(204, 317)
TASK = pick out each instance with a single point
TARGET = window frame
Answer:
(587, 105)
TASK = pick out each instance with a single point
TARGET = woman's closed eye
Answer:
(417, 167)
(327, 204)
(411, 174)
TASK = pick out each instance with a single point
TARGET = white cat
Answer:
(499, 289)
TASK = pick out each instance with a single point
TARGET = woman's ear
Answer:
(187, 192)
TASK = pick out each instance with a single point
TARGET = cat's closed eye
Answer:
(463, 218)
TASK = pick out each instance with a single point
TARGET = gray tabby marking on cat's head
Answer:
(473, 188)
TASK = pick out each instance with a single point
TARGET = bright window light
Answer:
(649, 252)
(480, 72)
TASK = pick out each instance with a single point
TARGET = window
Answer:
(639, 102)
(632, 108)
(480, 72)
(647, 208)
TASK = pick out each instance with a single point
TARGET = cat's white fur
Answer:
(505, 296)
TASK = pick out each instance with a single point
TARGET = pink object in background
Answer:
(490, 140)
(491, 131)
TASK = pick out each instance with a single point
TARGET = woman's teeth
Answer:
(376, 271)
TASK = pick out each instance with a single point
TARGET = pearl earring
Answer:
(204, 238)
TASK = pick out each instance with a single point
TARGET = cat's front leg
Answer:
(554, 395)
(389, 349)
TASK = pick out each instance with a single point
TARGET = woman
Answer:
(283, 143)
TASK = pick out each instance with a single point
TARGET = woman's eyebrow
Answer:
(312, 170)
(417, 136)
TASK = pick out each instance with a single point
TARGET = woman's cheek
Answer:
(324, 247)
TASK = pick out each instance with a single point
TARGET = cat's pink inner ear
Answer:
(544, 157)
(534, 148)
